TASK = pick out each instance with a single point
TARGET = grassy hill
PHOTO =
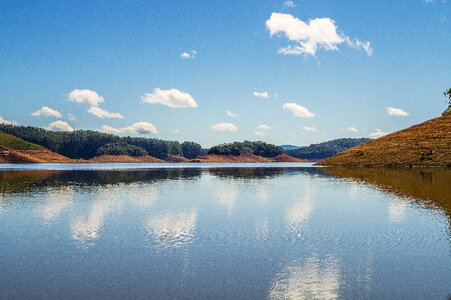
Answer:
(16, 150)
(425, 144)
(11, 142)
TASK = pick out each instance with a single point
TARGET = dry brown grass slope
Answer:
(427, 144)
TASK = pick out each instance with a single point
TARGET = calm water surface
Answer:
(280, 231)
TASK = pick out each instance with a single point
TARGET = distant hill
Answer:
(326, 149)
(290, 147)
(425, 144)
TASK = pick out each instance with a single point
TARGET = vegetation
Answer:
(447, 95)
(86, 144)
(191, 150)
(11, 142)
(247, 147)
(326, 149)
(121, 148)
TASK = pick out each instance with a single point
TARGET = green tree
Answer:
(447, 95)
(191, 150)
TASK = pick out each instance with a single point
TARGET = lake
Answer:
(223, 231)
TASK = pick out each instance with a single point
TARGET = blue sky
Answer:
(195, 60)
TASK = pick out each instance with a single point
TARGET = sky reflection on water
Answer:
(279, 233)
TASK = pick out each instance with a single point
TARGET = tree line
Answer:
(326, 149)
(246, 147)
(86, 144)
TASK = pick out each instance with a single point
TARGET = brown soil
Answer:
(177, 159)
(425, 144)
(46, 156)
(31, 156)
(124, 159)
(248, 158)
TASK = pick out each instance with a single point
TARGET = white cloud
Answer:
(189, 55)
(396, 112)
(261, 94)
(4, 121)
(46, 112)
(101, 113)
(110, 130)
(309, 129)
(259, 133)
(377, 134)
(71, 117)
(289, 4)
(59, 126)
(224, 127)
(136, 128)
(263, 127)
(308, 38)
(230, 114)
(85, 96)
(172, 98)
(142, 128)
(362, 45)
(351, 129)
(298, 110)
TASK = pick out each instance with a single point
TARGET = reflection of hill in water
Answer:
(261, 173)
(18, 181)
(430, 186)
(23, 180)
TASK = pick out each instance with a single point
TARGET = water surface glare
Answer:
(256, 232)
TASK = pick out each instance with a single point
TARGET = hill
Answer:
(325, 149)
(426, 144)
(15, 150)
(86, 144)
(290, 147)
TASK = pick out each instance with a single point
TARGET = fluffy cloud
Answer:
(46, 112)
(101, 113)
(136, 128)
(377, 134)
(309, 129)
(351, 129)
(172, 98)
(85, 97)
(298, 110)
(308, 38)
(110, 130)
(188, 55)
(259, 133)
(4, 121)
(71, 117)
(261, 94)
(224, 127)
(396, 112)
(59, 126)
(289, 4)
(263, 127)
(230, 114)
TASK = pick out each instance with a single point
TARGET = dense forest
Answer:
(326, 149)
(86, 144)
(246, 147)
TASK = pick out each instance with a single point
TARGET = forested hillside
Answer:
(326, 149)
(86, 144)
(247, 147)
